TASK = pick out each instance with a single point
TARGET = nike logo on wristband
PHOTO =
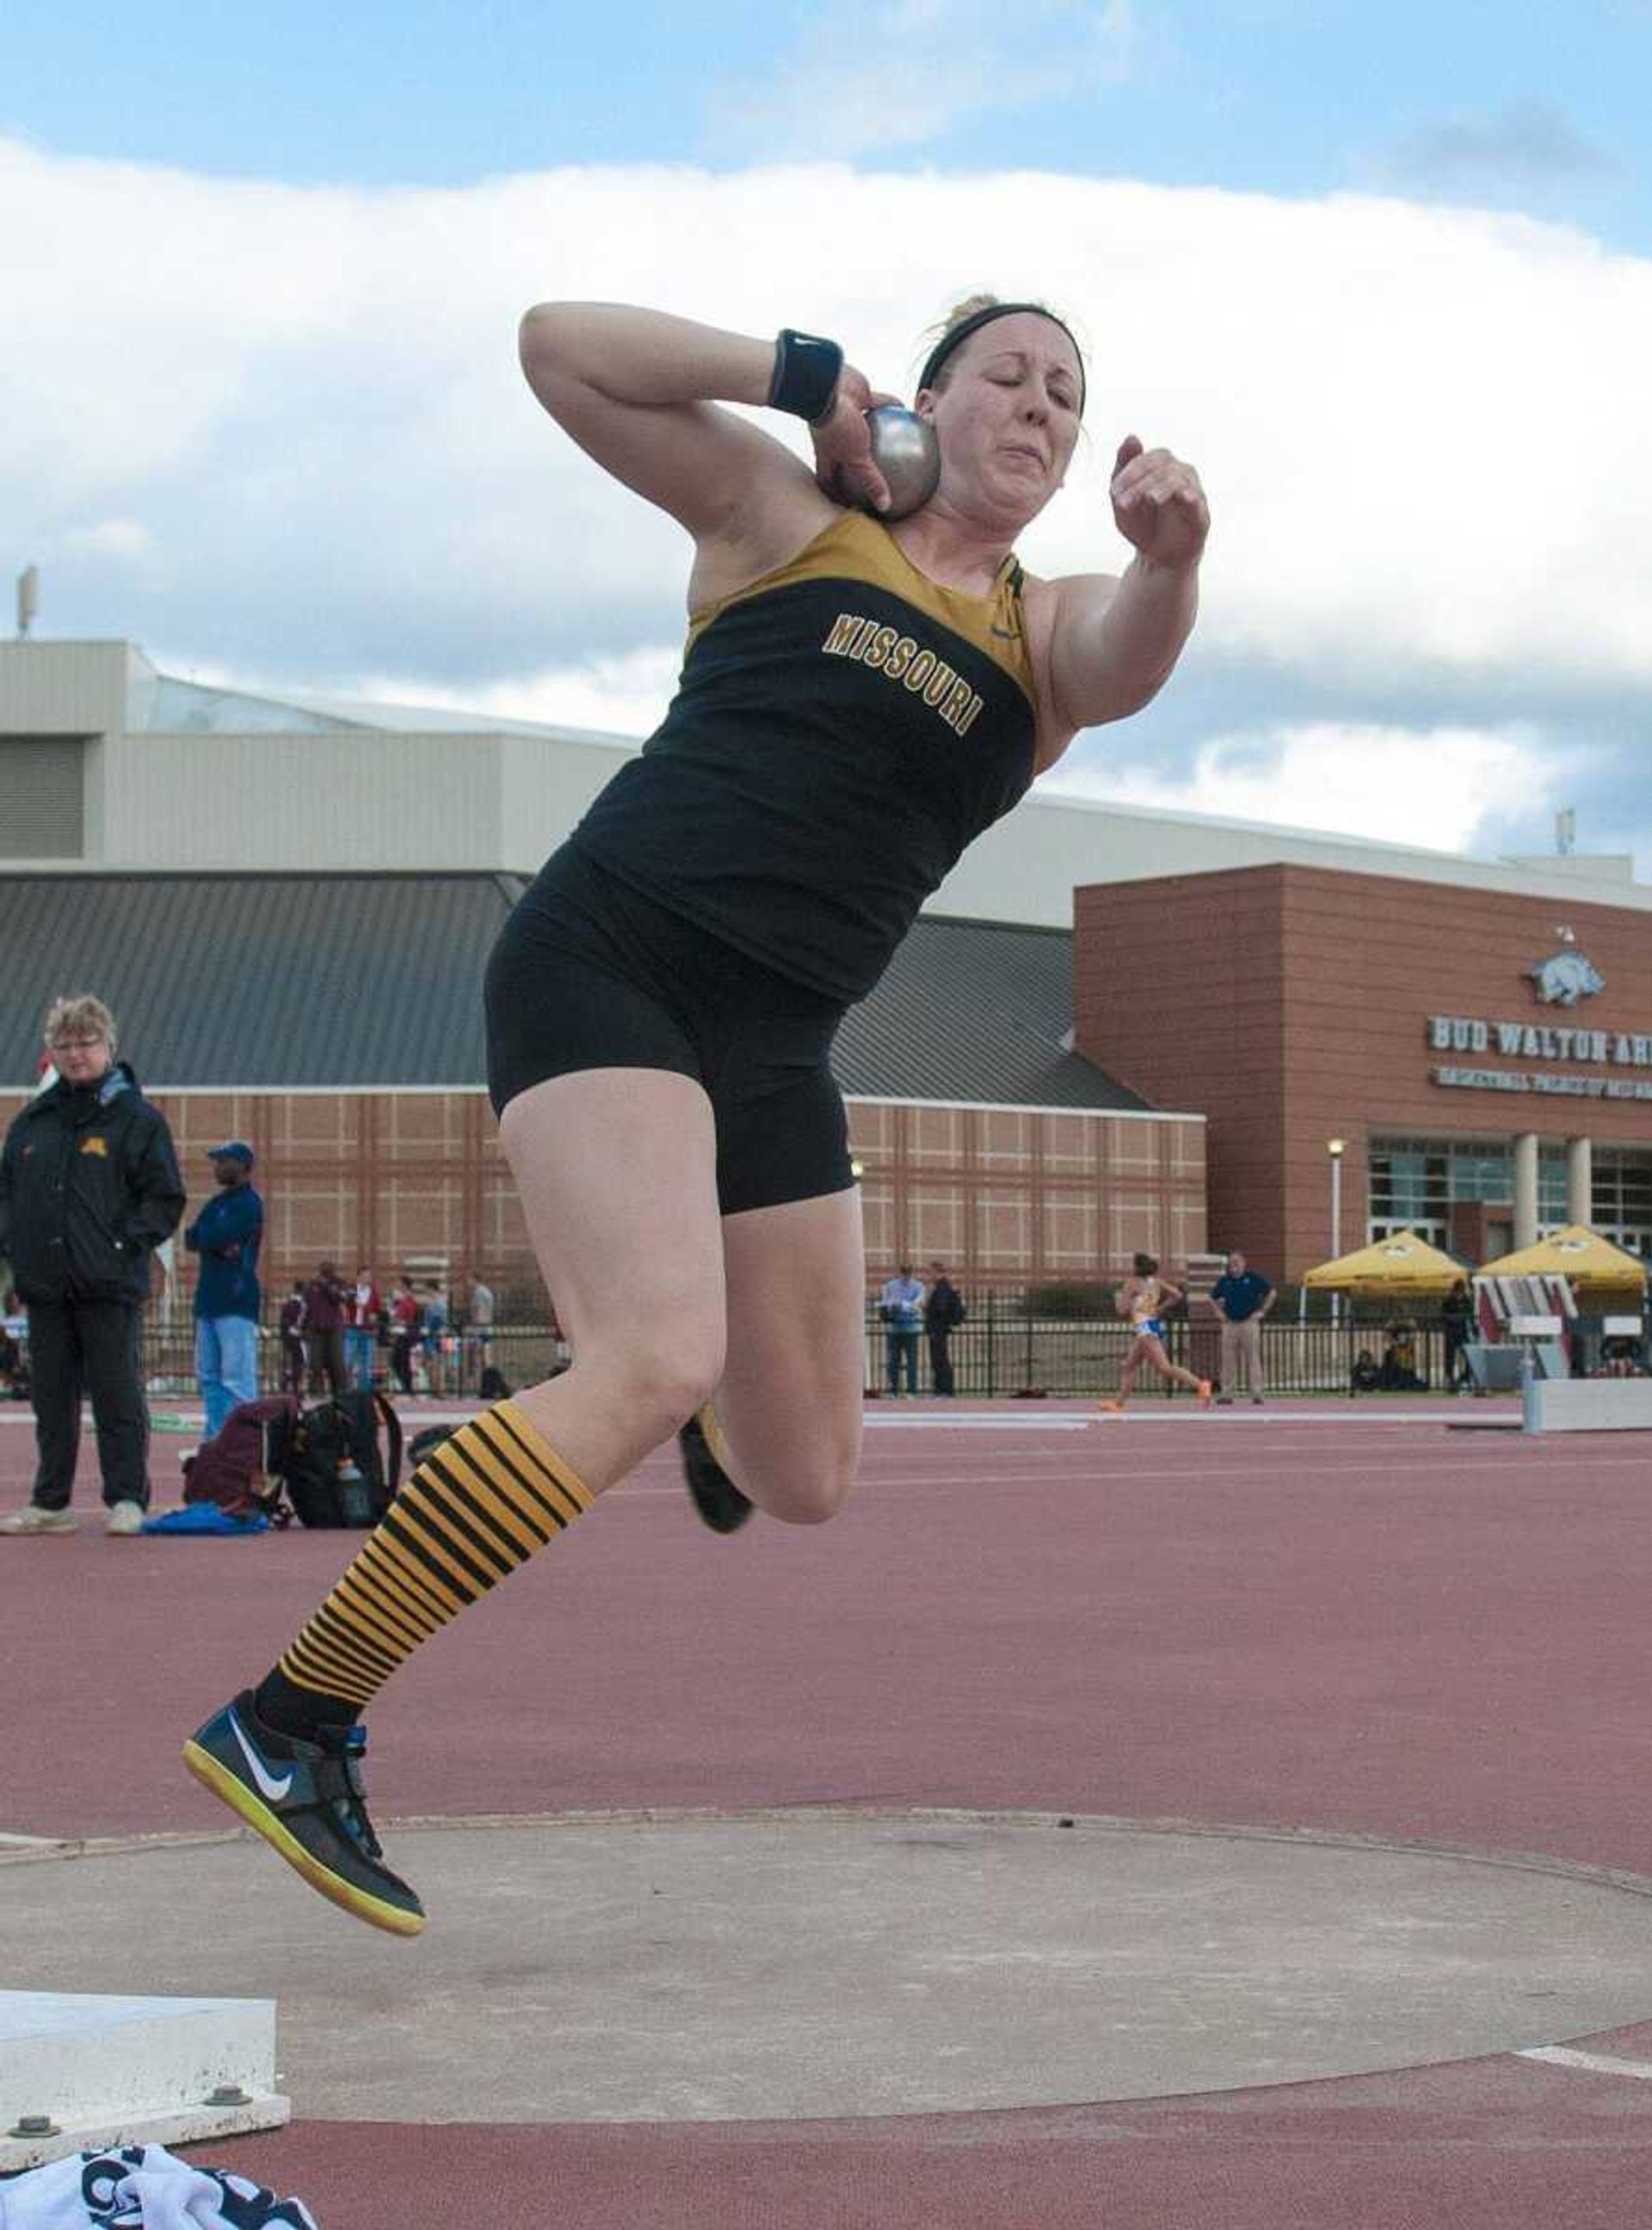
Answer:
(268, 1785)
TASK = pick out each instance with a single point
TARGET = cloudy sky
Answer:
(1385, 274)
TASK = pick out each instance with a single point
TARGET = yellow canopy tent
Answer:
(1577, 1254)
(1403, 1267)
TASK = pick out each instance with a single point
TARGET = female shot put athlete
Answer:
(859, 700)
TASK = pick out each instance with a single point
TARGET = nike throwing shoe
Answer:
(306, 1799)
(717, 1498)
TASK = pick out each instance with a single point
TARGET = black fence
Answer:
(448, 1369)
(1002, 1349)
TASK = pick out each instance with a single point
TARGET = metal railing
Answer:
(1001, 1349)
(448, 1369)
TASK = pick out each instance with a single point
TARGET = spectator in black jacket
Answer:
(943, 1311)
(292, 1326)
(88, 1188)
(1457, 1316)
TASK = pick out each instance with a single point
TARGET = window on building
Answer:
(1480, 1172)
(1551, 1189)
(1623, 1196)
(1416, 1182)
(1409, 1189)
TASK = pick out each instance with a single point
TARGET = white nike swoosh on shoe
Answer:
(268, 1785)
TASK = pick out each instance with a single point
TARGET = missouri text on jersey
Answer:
(899, 658)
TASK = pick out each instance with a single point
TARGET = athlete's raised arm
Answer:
(1113, 642)
(638, 389)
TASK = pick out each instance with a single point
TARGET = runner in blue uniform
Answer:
(1142, 1297)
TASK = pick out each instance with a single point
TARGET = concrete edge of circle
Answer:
(1026, 1841)
(191, 2125)
(32, 1850)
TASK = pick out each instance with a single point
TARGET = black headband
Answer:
(958, 334)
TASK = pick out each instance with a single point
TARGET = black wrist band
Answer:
(806, 370)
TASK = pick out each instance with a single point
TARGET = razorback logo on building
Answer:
(1566, 978)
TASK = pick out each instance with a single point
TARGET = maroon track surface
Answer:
(1347, 1622)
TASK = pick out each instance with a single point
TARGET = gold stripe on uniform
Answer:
(856, 547)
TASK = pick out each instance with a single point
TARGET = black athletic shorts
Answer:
(589, 973)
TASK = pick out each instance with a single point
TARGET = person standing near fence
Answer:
(1241, 1297)
(1457, 1321)
(226, 1235)
(89, 1188)
(433, 1336)
(901, 1306)
(479, 1325)
(943, 1311)
(292, 1334)
(362, 1310)
(405, 1313)
(324, 1322)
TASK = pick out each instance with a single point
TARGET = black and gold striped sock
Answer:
(478, 1506)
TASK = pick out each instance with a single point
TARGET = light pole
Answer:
(1336, 1148)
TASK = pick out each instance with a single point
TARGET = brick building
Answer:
(1483, 1057)
(334, 1023)
(288, 904)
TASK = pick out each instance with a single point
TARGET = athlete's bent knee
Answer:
(804, 1495)
(663, 1381)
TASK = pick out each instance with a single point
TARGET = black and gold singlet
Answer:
(842, 729)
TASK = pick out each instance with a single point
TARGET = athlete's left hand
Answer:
(1158, 504)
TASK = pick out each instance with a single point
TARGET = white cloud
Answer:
(125, 540)
(1442, 785)
(866, 74)
(621, 696)
(1422, 429)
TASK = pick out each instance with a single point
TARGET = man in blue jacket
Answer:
(226, 1235)
(1241, 1297)
(88, 1188)
(901, 1305)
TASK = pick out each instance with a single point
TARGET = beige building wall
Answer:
(423, 798)
(224, 803)
(65, 688)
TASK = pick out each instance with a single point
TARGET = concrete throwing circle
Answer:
(783, 1964)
